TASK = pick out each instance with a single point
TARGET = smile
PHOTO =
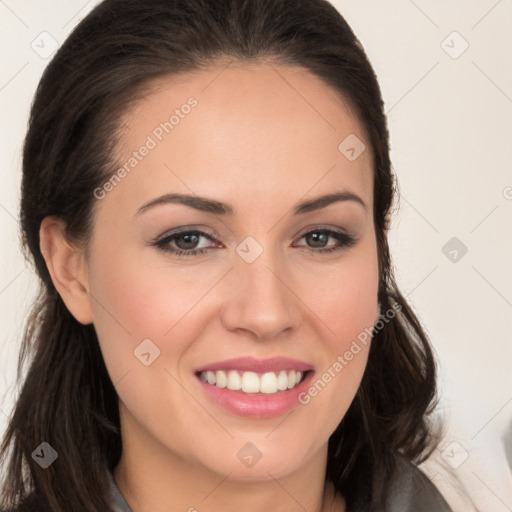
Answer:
(252, 382)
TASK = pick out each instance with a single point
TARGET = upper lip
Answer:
(252, 364)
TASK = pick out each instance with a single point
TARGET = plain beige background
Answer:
(445, 69)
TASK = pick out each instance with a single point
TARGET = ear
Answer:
(67, 267)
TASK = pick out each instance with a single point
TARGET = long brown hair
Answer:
(67, 398)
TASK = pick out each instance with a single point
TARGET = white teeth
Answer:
(251, 382)
(234, 380)
(221, 379)
(282, 381)
(291, 379)
(268, 383)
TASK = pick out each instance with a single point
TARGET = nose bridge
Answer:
(262, 279)
(260, 301)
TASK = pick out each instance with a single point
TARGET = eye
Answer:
(185, 243)
(319, 238)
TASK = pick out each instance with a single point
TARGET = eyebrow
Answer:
(205, 204)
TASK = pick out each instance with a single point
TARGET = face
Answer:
(175, 288)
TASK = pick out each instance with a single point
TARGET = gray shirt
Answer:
(411, 492)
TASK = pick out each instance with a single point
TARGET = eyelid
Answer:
(213, 236)
(316, 227)
(188, 229)
(344, 241)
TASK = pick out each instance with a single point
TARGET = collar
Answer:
(118, 502)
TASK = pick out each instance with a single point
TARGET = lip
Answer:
(256, 405)
(252, 364)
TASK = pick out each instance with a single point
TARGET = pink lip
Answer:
(251, 364)
(257, 405)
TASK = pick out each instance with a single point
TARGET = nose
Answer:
(260, 299)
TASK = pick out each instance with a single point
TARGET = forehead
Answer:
(253, 130)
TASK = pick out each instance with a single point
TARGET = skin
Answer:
(261, 138)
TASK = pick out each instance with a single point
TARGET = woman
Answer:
(206, 197)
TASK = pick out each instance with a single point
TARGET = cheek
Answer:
(345, 297)
(132, 302)
(348, 307)
(145, 301)
(137, 300)
(352, 305)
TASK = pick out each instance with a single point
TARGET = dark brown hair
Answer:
(67, 398)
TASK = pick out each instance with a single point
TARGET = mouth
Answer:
(255, 388)
(249, 382)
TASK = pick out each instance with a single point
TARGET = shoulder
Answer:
(412, 491)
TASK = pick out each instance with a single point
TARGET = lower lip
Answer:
(258, 405)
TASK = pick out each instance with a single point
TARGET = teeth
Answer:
(221, 380)
(282, 381)
(291, 379)
(234, 381)
(251, 382)
(268, 383)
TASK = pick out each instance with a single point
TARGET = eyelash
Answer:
(345, 240)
